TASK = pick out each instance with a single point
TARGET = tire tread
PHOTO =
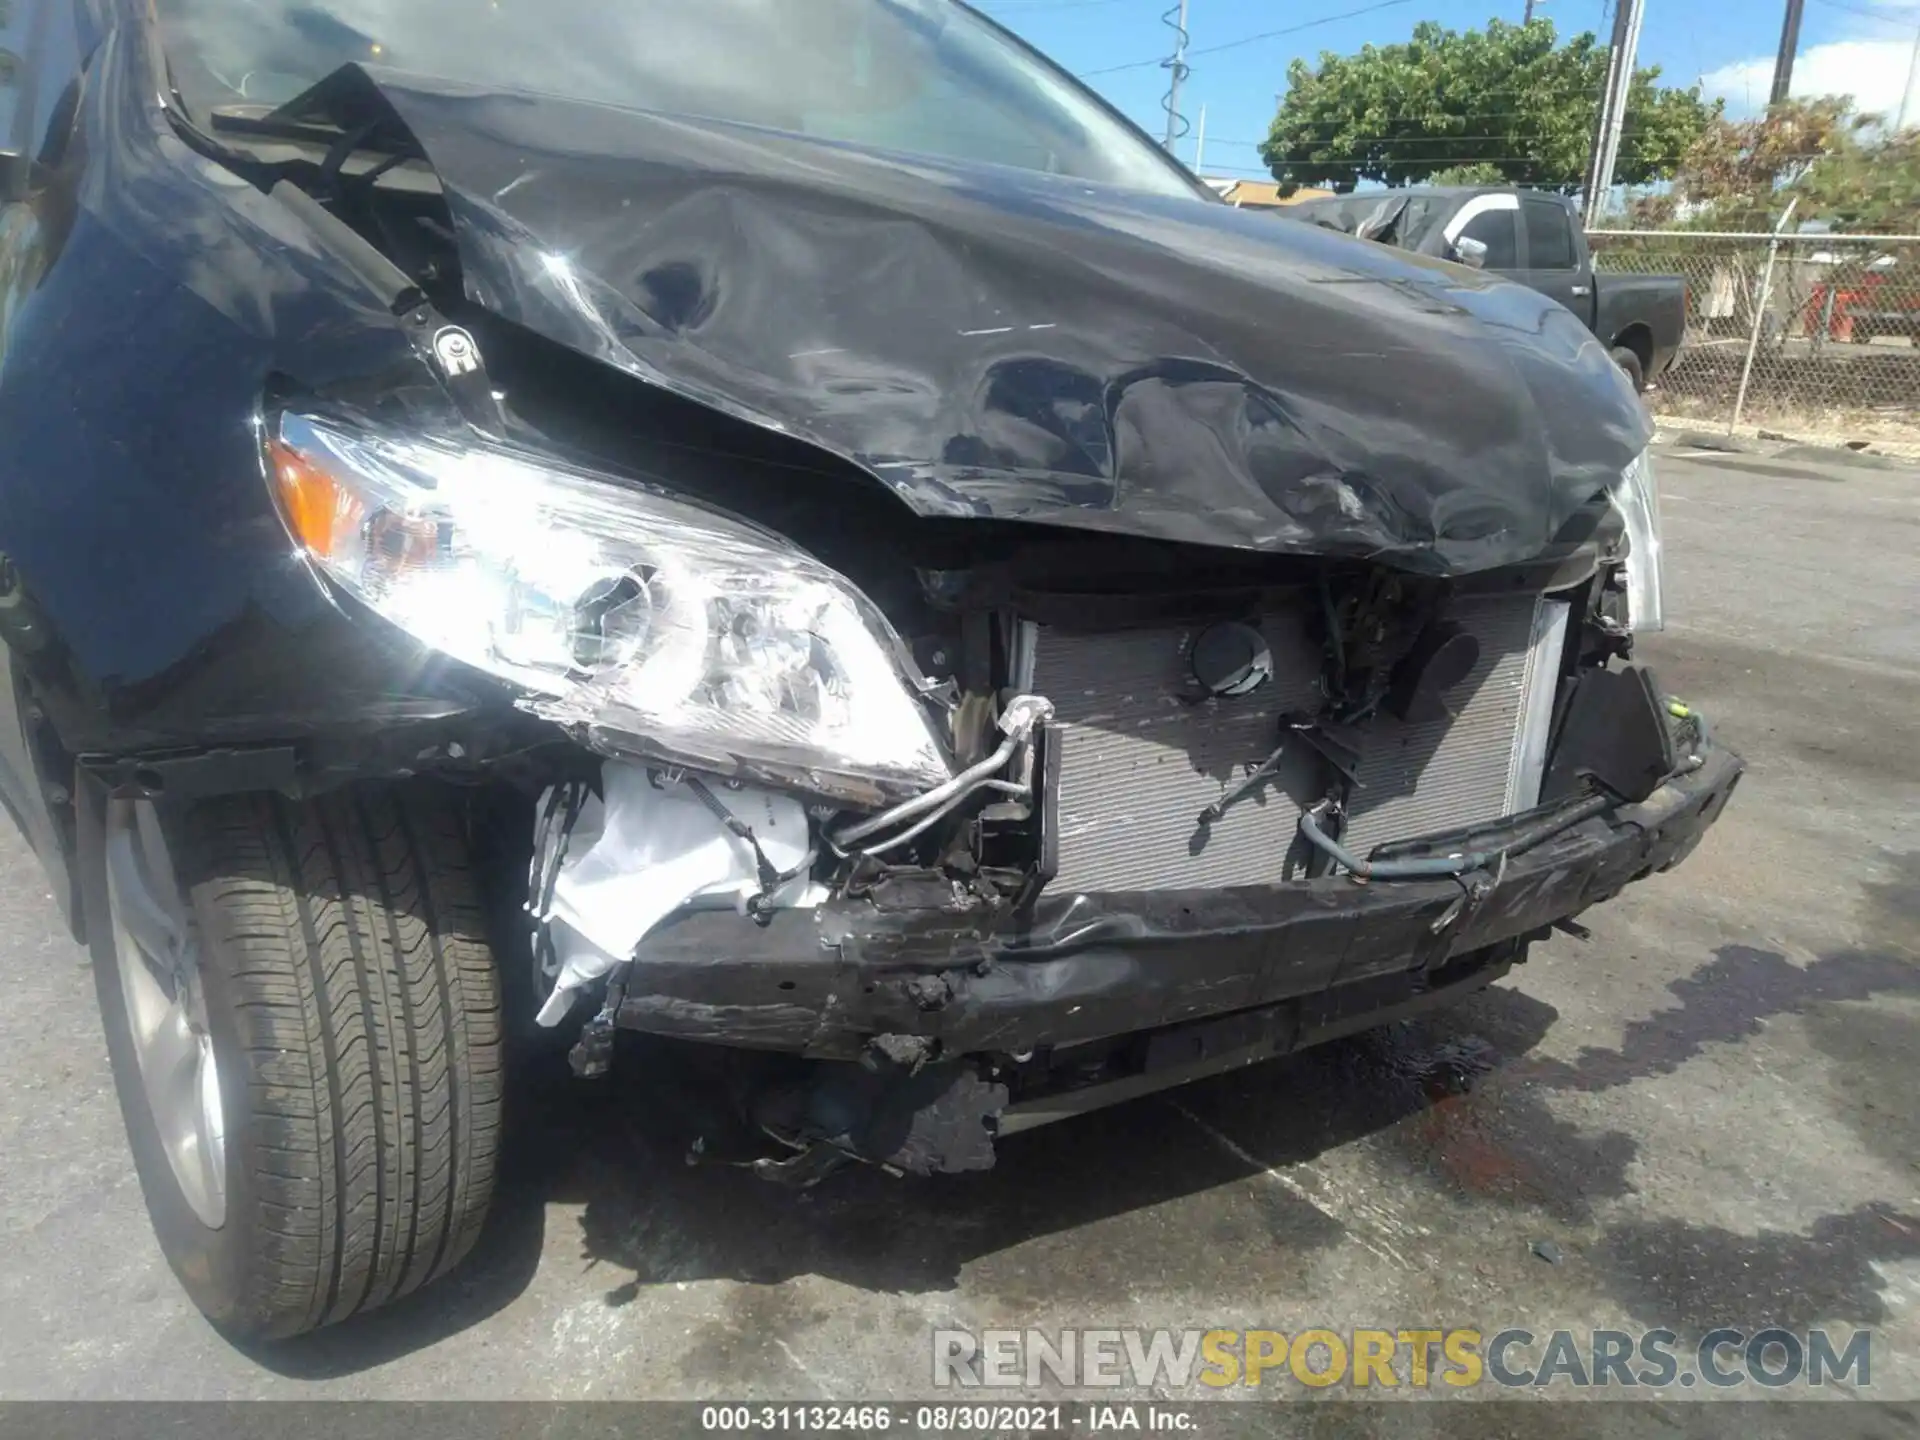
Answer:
(350, 932)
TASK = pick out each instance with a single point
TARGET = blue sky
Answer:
(1851, 46)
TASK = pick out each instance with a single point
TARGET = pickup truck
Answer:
(1534, 237)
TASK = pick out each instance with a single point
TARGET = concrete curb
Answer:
(1780, 448)
(1861, 459)
(1708, 440)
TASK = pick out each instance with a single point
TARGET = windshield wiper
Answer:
(367, 138)
(276, 125)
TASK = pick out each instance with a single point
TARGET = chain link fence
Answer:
(1815, 337)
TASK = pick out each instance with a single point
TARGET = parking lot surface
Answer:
(1705, 1114)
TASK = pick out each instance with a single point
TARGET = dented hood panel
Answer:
(998, 343)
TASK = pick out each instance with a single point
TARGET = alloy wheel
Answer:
(158, 964)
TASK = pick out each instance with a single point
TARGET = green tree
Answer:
(1509, 97)
(1481, 172)
(1737, 173)
(1871, 184)
(1843, 167)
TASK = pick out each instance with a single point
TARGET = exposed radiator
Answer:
(1140, 761)
(1418, 779)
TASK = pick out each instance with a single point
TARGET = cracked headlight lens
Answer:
(1638, 501)
(666, 629)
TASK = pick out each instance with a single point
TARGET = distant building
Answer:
(1261, 194)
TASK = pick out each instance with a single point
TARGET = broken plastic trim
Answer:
(560, 806)
(609, 868)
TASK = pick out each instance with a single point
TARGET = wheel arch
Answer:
(1637, 337)
(45, 802)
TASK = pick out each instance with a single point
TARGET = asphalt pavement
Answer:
(1707, 1113)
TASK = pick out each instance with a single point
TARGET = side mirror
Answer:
(1470, 252)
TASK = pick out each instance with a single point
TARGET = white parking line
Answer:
(1371, 1227)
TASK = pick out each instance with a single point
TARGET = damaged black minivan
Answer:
(787, 525)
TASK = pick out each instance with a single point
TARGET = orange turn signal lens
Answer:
(314, 503)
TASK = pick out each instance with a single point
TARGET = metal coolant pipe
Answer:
(1023, 712)
(1445, 865)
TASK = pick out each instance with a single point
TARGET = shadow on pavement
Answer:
(1456, 1098)
(1691, 1278)
(871, 1230)
(620, 1152)
(1732, 997)
(1694, 1276)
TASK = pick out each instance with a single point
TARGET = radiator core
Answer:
(1139, 760)
(1419, 779)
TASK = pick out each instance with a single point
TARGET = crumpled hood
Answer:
(993, 342)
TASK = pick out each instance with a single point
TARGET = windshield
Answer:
(919, 75)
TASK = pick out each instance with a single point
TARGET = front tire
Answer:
(1629, 362)
(332, 966)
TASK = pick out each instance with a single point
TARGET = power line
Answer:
(1012, 7)
(1352, 159)
(1575, 86)
(1301, 135)
(1571, 94)
(1897, 22)
(1247, 39)
(1883, 16)
(1334, 127)
(1392, 144)
(1368, 144)
(1575, 89)
(1295, 29)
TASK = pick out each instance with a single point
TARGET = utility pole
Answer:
(1200, 143)
(1177, 64)
(1527, 17)
(1621, 52)
(1913, 63)
(1789, 47)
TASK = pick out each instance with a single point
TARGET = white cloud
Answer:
(1873, 72)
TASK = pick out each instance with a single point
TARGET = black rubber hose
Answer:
(1438, 866)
